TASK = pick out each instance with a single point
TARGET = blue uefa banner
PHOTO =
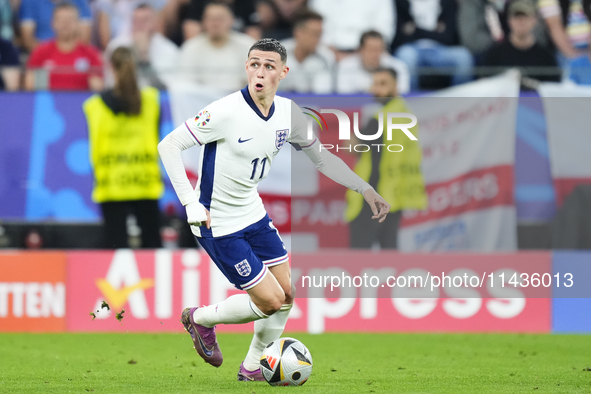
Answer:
(572, 314)
(46, 173)
(15, 141)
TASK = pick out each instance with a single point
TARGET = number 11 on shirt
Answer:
(255, 163)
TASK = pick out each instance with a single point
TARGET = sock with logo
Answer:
(236, 309)
(265, 332)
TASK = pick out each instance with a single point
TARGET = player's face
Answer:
(264, 71)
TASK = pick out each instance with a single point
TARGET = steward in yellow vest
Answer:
(124, 149)
(394, 173)
(123, 125)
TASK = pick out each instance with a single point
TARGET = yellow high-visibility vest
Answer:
(124, 150)
(401, 182)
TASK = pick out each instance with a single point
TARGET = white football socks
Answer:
(236, 309)
(265, 332)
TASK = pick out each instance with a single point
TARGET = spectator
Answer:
(520, 49)
(395, 176)
(71, 64)
(217, 57)
(7, 18)
(123, 138)
(355, 71)
(483, 23)
(568, 26)
(114, 17)
(173, 16)
(245, 18)
(156, 56)
(9, 66)
(346, 20)
(310, 63)
(36, 21)
(427, 37)
(276, 17)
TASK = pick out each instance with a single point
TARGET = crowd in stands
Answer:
(333, 45)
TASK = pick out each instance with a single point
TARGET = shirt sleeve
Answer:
(170, 149)
(27, 11)
(36, 58)
(325, 162)
(300, 137)
(549, 8)
(208, 125)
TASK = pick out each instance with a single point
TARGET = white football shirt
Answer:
(239, 146)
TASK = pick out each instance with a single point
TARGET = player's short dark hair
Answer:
(388, 70)
(304, 16)
(370, 34)
(269, 45)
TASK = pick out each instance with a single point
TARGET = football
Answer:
(286, 362)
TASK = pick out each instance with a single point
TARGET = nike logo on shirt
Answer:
(240, 140)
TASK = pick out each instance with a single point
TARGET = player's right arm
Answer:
(195, 131)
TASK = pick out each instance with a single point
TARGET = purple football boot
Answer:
(244, 375)
(203, 338)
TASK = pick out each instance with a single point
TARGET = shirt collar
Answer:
(250, 101)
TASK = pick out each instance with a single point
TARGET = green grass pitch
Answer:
(343, 363)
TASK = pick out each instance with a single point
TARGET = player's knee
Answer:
(272, 306)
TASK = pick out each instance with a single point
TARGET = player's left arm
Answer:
(336, 169)
(333, 167)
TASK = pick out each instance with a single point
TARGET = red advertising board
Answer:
(483, 304)
(154, 286)
(32, 291)
(150, 286)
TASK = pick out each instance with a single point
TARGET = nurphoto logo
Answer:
(345, 129)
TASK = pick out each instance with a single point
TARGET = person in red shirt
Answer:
(68, 63)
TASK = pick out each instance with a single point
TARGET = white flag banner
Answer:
(467, 134)
(569, 135)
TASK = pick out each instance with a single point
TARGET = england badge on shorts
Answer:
(243, 268)
(281, 138)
